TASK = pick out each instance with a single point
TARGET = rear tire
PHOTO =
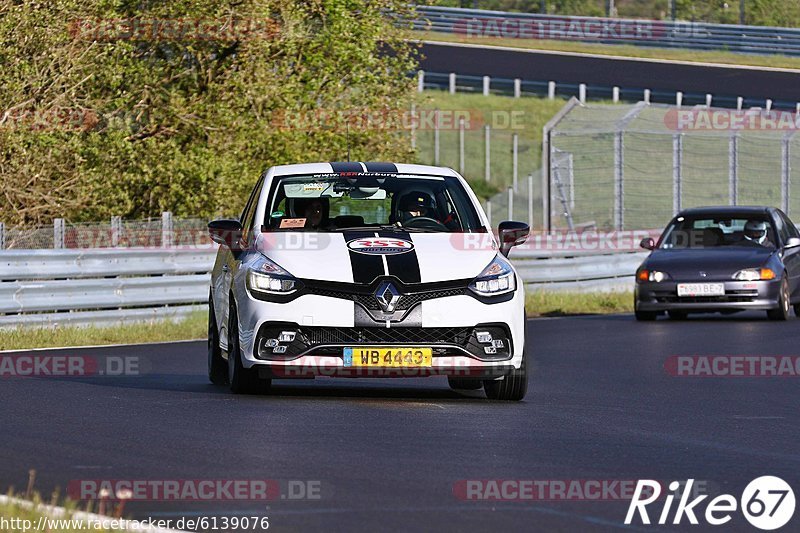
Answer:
(464, 383)
(217, 367)
(241, 380)
(782, 312)
(513, 387)
(677, 315)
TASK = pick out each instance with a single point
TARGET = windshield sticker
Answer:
(288, 223)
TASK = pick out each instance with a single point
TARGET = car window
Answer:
(337, 202)
(791, 229)
(711, 232)
(249, 212)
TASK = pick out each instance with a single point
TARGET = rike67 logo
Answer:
(767, 503)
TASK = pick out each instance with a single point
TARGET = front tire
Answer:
(513, 387)
(217, 367)
(241, 380)
(782, 312)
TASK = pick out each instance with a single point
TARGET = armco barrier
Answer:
(667, 34)
(112, 286)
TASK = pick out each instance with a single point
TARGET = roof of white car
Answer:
(325, 168)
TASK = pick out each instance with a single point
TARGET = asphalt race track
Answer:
(387, 453)
(607, 72)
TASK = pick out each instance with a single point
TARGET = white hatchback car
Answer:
(366, 270)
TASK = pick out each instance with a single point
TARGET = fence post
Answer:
(647, 96)
(551, 90)
(488, 152)
(510, 204)
(420, 81)
(515, 160)
(615, 94)
(733, 169)
(166, 229)
(486, 82)
(677, 172)
(709, 98)
(413, 126)
(619, 191)
(116, 230)
(2, 235)
(530, 199)
(436, 137)
(769, 105)
(739, 103)
(461, 158)
(517, 87)
(58, 233)
(452, 83)
(786, 171)
(679, 99)
(582, 93)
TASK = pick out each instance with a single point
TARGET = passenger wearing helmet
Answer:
(755, 232)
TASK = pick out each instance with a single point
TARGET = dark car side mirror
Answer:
(793, 242)
(512, 234)
(227, 232)
(648, 243)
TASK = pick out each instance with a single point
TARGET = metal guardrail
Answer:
(105, 287)
(666, 34)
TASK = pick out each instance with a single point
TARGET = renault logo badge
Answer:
(387, 296)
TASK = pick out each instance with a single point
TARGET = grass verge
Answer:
(193, 327)
(727, 58)
(28, 516)
(544, 303)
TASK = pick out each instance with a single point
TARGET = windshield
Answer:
(713, 232)
(335, 202)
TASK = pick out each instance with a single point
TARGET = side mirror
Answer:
(648, 243)
(227, 232)
(793, 242)
(512, 234)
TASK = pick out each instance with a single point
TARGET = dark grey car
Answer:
(721, 259)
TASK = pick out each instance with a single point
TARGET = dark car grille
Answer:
(735, 296)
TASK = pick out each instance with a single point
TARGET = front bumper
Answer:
(739, 296)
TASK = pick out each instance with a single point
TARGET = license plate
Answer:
(701, 289)
(388, 357)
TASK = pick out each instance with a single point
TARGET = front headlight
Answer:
(497, 278)
(652, 275)
(754, 274)
(268, 277)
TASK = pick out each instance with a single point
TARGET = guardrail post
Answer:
(647, 96)
(58, 233)
(486, 82)
(769, 105)
(436, 137)
(797, 109)
(461, 158)
(615, 94)
(677, 172)
(709, 97)
(487, 134)
(413, 126)
(733, 169)
(510, 204)
(679, 98)
(582, 93)
(420, 81)
(739, 103)
(2, 236)
(452, 83)
(551, 90)
(517, 87)
(530, 199)
(515, 160)
(166, 229)
(786, 170)
(619, 191)
(116, 230)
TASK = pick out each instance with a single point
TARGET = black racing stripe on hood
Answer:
(347, 166)
(365, 267)
(404, 267)
(381, 167)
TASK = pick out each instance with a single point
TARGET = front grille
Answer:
(316, 336)
(735, 296)
(368, 301)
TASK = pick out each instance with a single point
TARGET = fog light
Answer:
(271, 342)
(484, 337)
(286, 336)
(498, 343)
(279, 349)
(489, 350)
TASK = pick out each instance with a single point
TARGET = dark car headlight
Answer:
(496, 279)
(754, 274)
(652, 275)
(268, 277)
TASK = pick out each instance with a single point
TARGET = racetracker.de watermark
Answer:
(172, 29)
(521, 490)
(733, 366)
(194, 489)
(61, 366)
(727, 120)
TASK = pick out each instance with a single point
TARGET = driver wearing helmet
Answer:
(755, 232)
(416, 204)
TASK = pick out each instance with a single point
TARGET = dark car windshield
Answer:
(335, 202)
(714, 232)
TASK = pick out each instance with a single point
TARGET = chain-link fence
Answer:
(163, 232)
(634, 166)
